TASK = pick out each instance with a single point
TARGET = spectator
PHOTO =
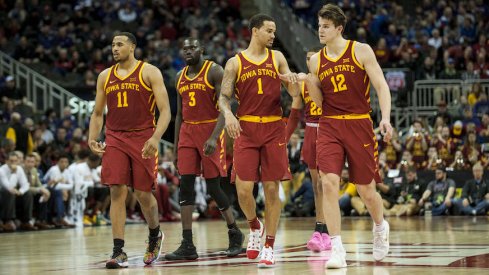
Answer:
(474, 93)
(15, 195)
(443, 113)
(305, 206)
(445, 145)
(41, 195)
(481, 107)
(20, 135)
(11, 92)
(450, 72)
(411, 191)
(475, 194)
(417, 144)
(60, 183)
(471, 149)
(440, 192)
(127, 14)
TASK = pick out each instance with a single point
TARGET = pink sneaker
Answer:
(316, 242)
(326, 241)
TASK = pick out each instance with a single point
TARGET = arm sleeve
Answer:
(294, 117)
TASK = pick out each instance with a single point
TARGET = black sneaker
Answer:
(186, 251)
(118, 260)
(236, 239)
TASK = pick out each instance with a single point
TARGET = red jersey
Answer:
(311, 110)
(345, 84)
(199, 100)
(130, 101)
(258, 87)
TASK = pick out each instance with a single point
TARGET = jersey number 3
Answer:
(339, 83)
(192, 101)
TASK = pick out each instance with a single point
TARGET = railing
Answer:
(295, 37)
(41, 91)
(427, 93)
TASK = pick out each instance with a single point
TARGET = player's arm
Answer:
(366, 57)
(227, 89)
(291, 79)
(215, 79)
(178, 120)
(97, 118)
(312, 81)
(155, 80)
(294, 117)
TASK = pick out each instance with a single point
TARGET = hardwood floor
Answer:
(419, 245)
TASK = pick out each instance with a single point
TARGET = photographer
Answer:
(417, 144)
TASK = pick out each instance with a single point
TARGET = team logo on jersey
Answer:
(133, 79)
(268, 66)
(346, 60)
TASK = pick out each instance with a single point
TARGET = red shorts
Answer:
(353, 138)
(309, 146)
(122, 162)
(191, 158)
(260, 152)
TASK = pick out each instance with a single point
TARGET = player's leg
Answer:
(320, 239)
(144, 174)
(115, 173)
(213, 167)
(188, 166)
(362, 154)
(274, 167)
(330, 160)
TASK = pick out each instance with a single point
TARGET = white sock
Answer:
(379, 227)
(336, 241)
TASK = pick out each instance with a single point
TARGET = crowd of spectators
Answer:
(436, 39)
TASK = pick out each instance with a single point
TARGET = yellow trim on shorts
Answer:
(201, 121)
(350, 116)
(260, 119)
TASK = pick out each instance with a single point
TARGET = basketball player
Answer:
(340, 79)
(200, 140)
(260, 146)
(131, 90)
(320, 240)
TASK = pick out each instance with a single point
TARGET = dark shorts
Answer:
(260, 152)
(309, 147)
(122, 162)
(191, 158)
(350, 138)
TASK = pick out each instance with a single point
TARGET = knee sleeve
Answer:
(187, 190)
(215, 191)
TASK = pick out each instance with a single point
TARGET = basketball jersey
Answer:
(345, 84)
(258, 87)
(199, 100)
(311, 110)
(130, 102)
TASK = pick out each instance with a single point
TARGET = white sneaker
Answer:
(254, 242)
(337, 258)
(381, 242)
(267, 259)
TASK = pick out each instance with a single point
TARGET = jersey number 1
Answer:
(260, 88)
(122, 99)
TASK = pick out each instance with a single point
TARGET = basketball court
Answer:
(419, 245)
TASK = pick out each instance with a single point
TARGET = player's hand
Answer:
(150, 148)
(289, 77)
(302, 76)
(97, 147)
(386, 129)
(232, 126)
(210, 146)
